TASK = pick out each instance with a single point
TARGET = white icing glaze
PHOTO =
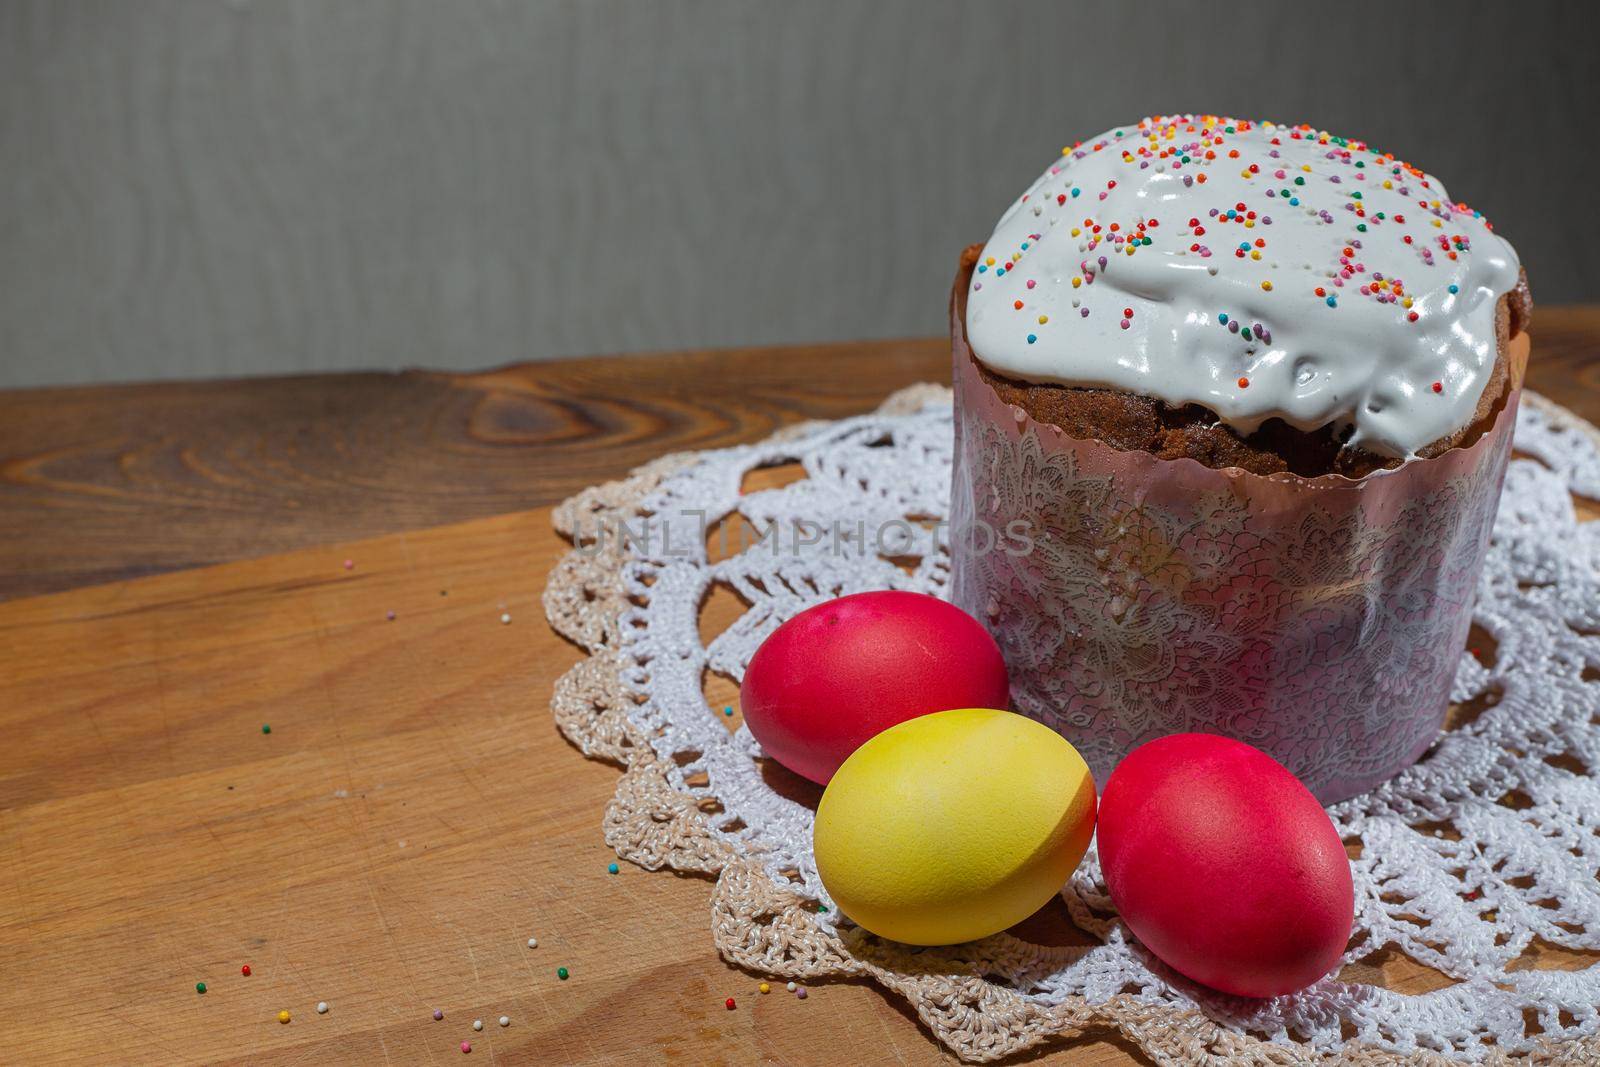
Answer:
(1364, 361)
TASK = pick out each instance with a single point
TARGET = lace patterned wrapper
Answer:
(1319, 619)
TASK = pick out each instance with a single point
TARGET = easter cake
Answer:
(1250, 389)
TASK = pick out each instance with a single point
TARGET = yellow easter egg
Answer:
(953, 826)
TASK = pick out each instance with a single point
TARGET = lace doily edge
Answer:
(762, 927)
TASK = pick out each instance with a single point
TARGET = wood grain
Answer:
(110, 482)
(412, 818)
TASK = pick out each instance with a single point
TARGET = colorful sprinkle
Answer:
(322, 1007)
(764, 987)
(612, 868)
(245, 970)
(437, 1015)
(466, 1047)
(266, 727)
(283, 1016)
(730, 1004)
(477, 1024)
(1188, 146)
(533, 942)
(200, 987)
(505, 1020)
(561, 973)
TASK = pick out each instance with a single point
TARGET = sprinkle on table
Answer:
(800, 994)
(437, 1015)
(505, 1020)
(466, 1047)
(283, 1016)
(612, 868)
(764, 987)
(322, 1007)
(200, 987)
(245, 970)
(266, 727)
(349, 564)
(730, 1004)
(477, 1024)
(791, 987)
(533, 942)
(561, 973)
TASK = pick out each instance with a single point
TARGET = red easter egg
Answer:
(842, 672)
(1224, 865)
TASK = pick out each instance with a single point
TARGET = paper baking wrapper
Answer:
(1319, 619)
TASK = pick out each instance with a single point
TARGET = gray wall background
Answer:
(195, 188)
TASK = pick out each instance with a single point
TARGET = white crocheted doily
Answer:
(1462, 861)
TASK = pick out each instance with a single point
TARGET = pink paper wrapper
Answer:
(1319, 619)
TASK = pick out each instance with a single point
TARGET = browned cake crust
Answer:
(1132, 422)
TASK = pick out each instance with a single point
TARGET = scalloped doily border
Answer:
(765, 927)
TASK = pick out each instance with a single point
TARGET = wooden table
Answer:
(412, 817)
